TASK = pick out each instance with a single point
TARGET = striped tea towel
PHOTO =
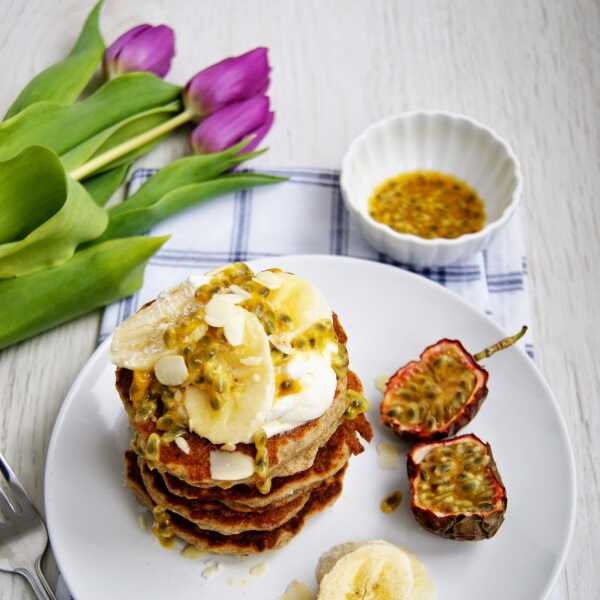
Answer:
(306, 215)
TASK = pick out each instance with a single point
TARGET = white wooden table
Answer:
(529, 68)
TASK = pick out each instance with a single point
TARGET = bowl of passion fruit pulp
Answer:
(437, 144)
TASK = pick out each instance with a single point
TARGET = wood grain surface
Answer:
(528, 68)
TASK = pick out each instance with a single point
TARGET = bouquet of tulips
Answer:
(62, 252)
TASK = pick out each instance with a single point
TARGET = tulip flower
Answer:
(232, 124)
(232, 80)
(232, 91)
(142, 48)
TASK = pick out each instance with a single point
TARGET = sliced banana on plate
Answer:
(246, 375)
(375, 570)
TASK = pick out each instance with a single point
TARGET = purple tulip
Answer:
(231, 124)
(231, 80)
(142, 48)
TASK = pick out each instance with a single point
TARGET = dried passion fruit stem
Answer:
(505, 343)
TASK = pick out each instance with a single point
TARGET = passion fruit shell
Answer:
(435, 396)
(455, 488)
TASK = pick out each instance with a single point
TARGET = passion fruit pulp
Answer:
(455, 488)
(435, 396)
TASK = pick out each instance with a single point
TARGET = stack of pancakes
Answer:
(306, 468)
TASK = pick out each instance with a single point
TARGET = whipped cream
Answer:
(318, 383)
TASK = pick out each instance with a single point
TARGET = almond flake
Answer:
(211, 569)
(192, 552)
(171, 370)
(239, 291)
(258, 570)
(182, 444)
(280, 344)
(270, 280)
(251, 361)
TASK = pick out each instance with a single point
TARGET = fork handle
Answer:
(41, 588)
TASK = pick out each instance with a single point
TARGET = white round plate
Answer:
(390, 316)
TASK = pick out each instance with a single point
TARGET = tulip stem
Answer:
(130, 145)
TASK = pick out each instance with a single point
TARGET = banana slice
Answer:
(138, 343)
(375, 570)
(250, 380)
(295, 297)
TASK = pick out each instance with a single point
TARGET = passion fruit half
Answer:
(435, 396)
(455, 488)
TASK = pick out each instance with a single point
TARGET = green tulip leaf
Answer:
(62, 128)
(138, 220)
(64, 81)
(117, 134)
(70, 214)
(184, 171)
(25, 203)
(101, 187)
(92, 278)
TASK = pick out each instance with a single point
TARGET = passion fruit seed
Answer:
(435, 393)
(454, 478)
(392, 502)
(146, 411)
(152, 449)
(356, 404)
(162, 527)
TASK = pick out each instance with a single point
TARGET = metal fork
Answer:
(23, 536)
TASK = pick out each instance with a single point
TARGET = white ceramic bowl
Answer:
(451, 144)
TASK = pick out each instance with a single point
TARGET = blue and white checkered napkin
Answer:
(306, 215)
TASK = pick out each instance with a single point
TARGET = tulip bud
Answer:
(142, 48)
(231, 80)
(232, 124)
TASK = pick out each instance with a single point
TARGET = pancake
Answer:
(330, 458)
(221, 519)
(249, 542)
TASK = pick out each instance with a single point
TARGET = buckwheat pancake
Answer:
(221, 519)
(249, 542)
(330, 458)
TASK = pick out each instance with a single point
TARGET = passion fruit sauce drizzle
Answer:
(162, 528)
(427, 204)
(454, 478)
(391, 502)
(261, 462)
(356, 404)
(208, 356)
